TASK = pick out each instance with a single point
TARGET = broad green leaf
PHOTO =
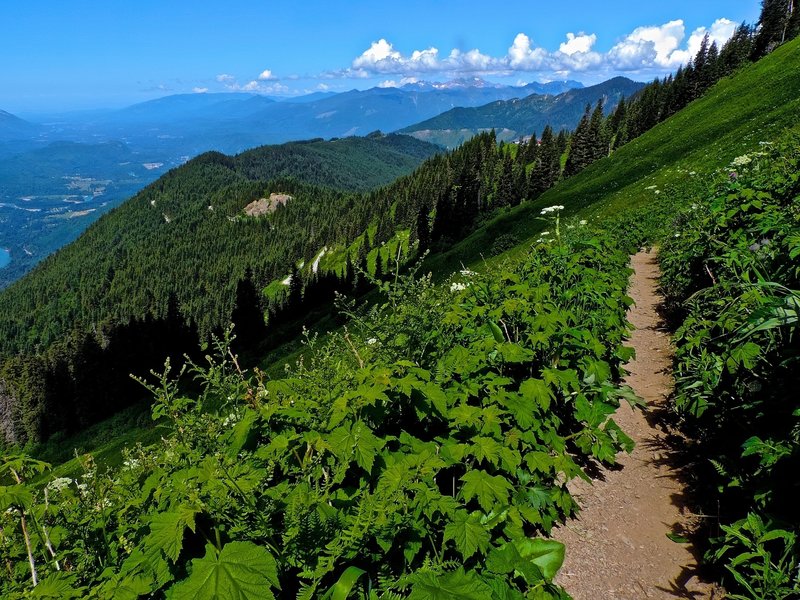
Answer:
(455, 585)
(534, 559)
(468, 533)
(14, 495)
(491, 490)
(522, 407)
(59, 586)
(497, 333)
(166, 531)
(538, 391)
(546, 554)
(342, 588)
(486, 448)
(437, 396)
(356, 440)
(241, 571)
(240, 435)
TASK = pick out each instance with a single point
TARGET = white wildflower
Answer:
(693, 173)
(59, 484)
(130, 464)
(552, 209)
(658, 192)
(741, 161)
(545, 233)
(467, 273)
(583, 222)
(458, 287)
(371, 341)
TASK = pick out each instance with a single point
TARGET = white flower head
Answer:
(59, 484)
(552, 209)
(741, 161)
(458, 287)
(583, 222)
(545, 233)
(371, 341)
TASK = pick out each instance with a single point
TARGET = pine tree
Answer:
(504, 186)
(248, 314)
(422, 229)
(777, 24)
(597, 136)
(580, 146)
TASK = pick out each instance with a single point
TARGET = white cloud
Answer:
(652, 49)
(577, 43)
(266, 75)
(225, 78)
(389, 83)
(662, 46)
(200, 90)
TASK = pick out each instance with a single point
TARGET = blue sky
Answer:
(57, 55)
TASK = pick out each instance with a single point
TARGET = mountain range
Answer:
(518, 117)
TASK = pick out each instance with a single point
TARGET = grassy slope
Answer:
(754, 105)
(738, 113)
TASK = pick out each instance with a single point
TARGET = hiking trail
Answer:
(617, 548)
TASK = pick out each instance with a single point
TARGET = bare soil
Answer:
(618, 546)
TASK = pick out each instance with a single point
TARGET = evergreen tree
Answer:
(422, 229)
(248, 313)
(580, 146)
(597, 136)
(504, 182)
(777, 24)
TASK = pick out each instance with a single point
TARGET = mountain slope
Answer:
(188, 228)
(519, 117)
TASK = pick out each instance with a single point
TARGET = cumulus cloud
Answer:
(577, 43)
(225, 78)
(655, 48)
(200, 90)
(266, 75)
(663, 46)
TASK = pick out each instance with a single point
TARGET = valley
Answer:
(117, 153)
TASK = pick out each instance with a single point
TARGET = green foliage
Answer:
(424, 452)
(731, 288)
(240, 570)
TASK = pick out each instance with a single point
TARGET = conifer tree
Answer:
(580, 146)
(778, 23)
(248, 313)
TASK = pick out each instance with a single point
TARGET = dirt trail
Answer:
(618, 547)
